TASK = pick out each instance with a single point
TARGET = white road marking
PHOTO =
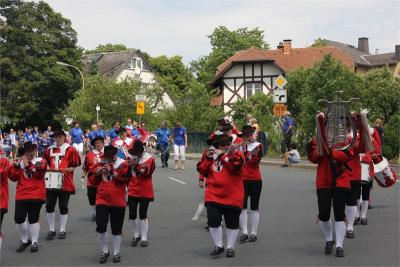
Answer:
(176, 180)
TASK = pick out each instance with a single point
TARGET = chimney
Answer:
(397, 52)
(363, 45)
(287, 46)
(280, 45)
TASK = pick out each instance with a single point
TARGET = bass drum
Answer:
(384, 174)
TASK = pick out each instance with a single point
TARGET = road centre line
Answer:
(176, 180)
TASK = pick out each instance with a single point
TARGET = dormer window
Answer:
(135, 63)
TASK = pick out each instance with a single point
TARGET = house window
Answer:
(135, 62)
(252, 89)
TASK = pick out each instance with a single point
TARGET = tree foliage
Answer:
(319, 42)
(103, 48)
(32, 39)
(224, 44)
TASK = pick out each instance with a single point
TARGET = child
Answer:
(292, 156)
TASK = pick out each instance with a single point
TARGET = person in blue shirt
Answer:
(49, 133)
(36, 134)
(77, 137)
(113, 132)
(179, 136)
(92, 134)
(163, 137)
(100, 131)
(28, 136)
(287, 129)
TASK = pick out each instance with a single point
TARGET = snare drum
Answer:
(384, 175)
(54, 180)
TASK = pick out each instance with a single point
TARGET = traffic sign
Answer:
(280, 82)
(279, 109)
(280, 96)
(140, 107)
(140, 98)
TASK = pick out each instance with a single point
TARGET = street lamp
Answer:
(97, 112)
(72, 66)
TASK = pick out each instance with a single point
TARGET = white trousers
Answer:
(179, 152)
(78, 147)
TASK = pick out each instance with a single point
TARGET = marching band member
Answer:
(140, 191)
(123, 143)
(333, 185)
(65, 158)
(91, 159)
(30, 195)
(4, 170)
(111, 179)
(252, 183)
(224, 192)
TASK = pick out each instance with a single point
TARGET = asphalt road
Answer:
(288, 233)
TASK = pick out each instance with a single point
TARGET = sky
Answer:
(181, 27)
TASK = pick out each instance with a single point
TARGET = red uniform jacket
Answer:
(355, 164)
(141, 185)
(30, 180)
(123, 146)
(224, 179)
(91, 159)
(62, 158)
(324, 173)
(4, 170)
(251, 167)
(111, 190)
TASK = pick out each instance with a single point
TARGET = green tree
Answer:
(103, 48)
(224, 44)
(32, 39)
(319, 42)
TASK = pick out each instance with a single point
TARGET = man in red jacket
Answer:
(92, 158)
(333, 185)
(140, 191)
(224, 192)
(252, 183)
(30, 195)
(111, 178)
(4, 170)
(65, 158)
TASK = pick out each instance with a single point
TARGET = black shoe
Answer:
(356, 221)
(207, 228)
(93, 218)
(253, 238)
(243, 238)
(166, 164)
(339, 252)
(135, 241)
(364, 221)
(103, 257)
(163, 165)
(350, 234)
(217, 251)
(51, 235)
(23, 246)
(144, 243)
(285, 165)
(328, 247)
(369, 206)
(116, 258)
(62, 235)
(34, 247)
(230, 252)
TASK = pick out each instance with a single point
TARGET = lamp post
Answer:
(72, 66)
(97, 112)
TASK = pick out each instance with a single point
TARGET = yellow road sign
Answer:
(279, 109)
(280, 81)
(140, 108)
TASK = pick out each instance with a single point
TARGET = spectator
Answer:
(13, 137)
(254, 124)
(100, 131)
(92, 134)
(113, 132)
(287, 130)
(134, 132)
(28, 136)
(248, 118)
(49, 132)
(179, 136)
(7, 144)
(20, 140)
(292, 156)
(379, 127)
(163, 137)
(43, 144)
(36, 134)
(129, 125)
(77, 137)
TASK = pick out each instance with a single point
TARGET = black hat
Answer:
(137, 148)
(122, 130)
(248, 130)
(109, 152)
(58, 133)
(95, 139)
(222, 140)
(29, 147)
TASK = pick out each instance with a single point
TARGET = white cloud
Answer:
(180, 27)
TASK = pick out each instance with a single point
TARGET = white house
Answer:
(122, 65)
(254, 70)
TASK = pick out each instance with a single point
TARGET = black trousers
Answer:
(133, 206)
(365, 190)
(51, 200)
(91, 194)
(164, 149)
(252, 189)
(215, 212)
(27, 207)
(325, 199)
(354, 194)
(116, 216)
